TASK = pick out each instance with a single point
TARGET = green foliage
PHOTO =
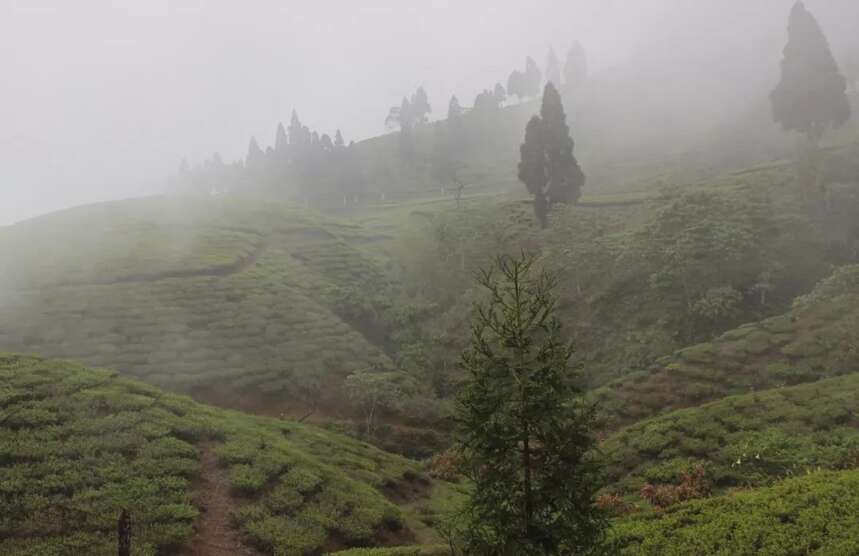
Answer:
(816, 340)
(204, 295)
(547, 166)
(523, 436)
(743, 441)
(811, 94)
(77, 445)
(814, 514)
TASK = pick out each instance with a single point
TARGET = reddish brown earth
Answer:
(214, 533)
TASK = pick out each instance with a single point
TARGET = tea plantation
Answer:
(190, 294)
(816, 339)
(77, 445)
(813, 514)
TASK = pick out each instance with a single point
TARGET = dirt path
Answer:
(214, 534)
(239, 265)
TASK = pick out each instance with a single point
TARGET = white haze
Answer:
(101, 99)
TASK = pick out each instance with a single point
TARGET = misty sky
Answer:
(101, 99)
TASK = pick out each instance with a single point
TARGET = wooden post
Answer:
(124, 533)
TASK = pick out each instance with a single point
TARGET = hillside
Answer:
(742, 441)
(814, 514)
(815, 340)
(199, 295)
(641, 275)
(269, 307)
(77, 445)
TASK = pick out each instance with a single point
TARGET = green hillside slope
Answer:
(77, 445)
(815, 514)
(816, 339)
(742, 441)
(191, 294)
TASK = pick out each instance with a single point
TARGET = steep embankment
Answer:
(77, 445)
(200, 295)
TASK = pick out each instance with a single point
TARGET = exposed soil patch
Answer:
(214, 534)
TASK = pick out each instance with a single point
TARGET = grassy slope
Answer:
(815, 514)
(747, 440)
(76, 445)
(814, 340)
(188, 293)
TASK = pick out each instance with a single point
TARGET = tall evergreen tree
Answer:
(255, 158)
(547, 165)
(525, 436)
(533, 167)
(811, 95)
(576, 67)
(516, 84)
(420, 106)
(296, 131)
(325, 143)
(280, 140)
(533, 78)
(553, 69)
(454, 110)
(565, 176)
(500, 94)
(455, 129)
(338, 140)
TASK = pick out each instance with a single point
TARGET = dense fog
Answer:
(103, 99)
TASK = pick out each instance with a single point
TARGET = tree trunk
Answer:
(526, 463)
(124, 533)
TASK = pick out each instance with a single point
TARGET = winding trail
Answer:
(214, 534)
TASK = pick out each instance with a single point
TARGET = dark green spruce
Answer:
(525, 436)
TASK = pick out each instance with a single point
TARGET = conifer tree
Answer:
(338, 141)
(565, 176)
(553, 69)
(280, 139)
(296, 131)
(533, 78)
(533, 167)
(325, 143)
(454, 110)
(516, 84)
(420, 107)
(547, 165)
(524, 434)
(499, 93)
(811, 95)
(455, 131)
(575, 68)
(255, 157)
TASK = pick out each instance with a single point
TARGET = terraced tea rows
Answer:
(815, 514)
(262, 324)
(815, 340)
(77, 445)
(742, 441)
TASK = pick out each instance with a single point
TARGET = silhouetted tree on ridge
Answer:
(575, 67)
(811, 95)
(547, 165)
(566, 178)
(516, 84)
(533, 167)
(533, 78)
